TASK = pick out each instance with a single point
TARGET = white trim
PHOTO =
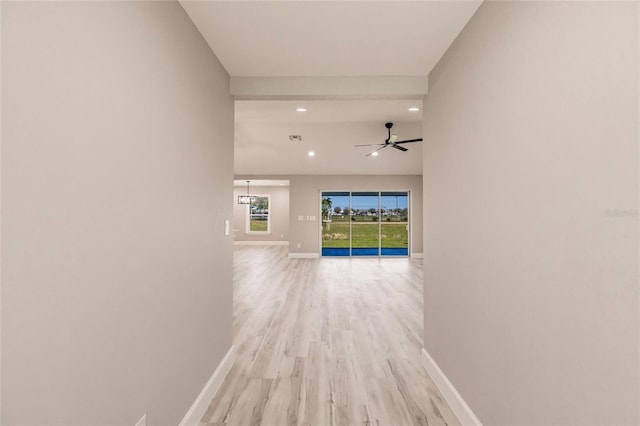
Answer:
(417, 255)
(261, 243)
(200, 405)
(304, 255)
(450, 394)
(142, 421)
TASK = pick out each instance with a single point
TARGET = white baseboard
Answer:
(450, 394)
(304, 255)
(417, 255)
(200, 405)
(261, 243)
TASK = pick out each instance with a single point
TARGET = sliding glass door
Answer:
(336, 231)
(394, 226)
(365, 223)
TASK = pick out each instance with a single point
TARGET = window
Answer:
(365, 223)
(258, 217)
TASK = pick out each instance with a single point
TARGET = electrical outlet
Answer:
(299, 245)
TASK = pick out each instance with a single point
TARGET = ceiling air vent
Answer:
(295, 138)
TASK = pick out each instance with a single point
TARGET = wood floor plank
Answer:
(326, 342)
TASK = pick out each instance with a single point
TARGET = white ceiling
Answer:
(327, 39)
(330, 129)
(337, 111)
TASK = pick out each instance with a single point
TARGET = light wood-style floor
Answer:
(331, 341)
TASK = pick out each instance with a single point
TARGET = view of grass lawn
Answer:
(335, 234)
(365, 235)
(258, 226)
(394, 235)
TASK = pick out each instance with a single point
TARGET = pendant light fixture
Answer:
(245, 199)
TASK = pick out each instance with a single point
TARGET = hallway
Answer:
(326, 342)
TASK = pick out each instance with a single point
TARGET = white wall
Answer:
(531, 213)
(278, 210)
(116, 145)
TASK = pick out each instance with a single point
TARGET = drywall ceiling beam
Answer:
(385, 87)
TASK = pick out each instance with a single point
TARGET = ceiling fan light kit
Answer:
(392, 140)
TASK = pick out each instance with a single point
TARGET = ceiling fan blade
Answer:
(371, 153)
(392, 140)
(410, 140)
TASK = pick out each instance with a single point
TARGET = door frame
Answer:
(379, 191)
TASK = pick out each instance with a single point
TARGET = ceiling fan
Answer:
(392, 140)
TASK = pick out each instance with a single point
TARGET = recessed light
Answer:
(414, 109)
(311, 153)
(301, 109)
(375, 153)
